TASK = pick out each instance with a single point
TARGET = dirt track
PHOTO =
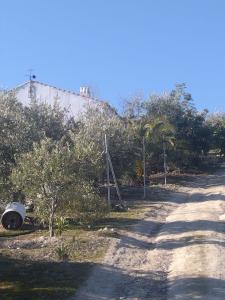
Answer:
(176, 252)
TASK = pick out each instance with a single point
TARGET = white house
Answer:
(75, 102)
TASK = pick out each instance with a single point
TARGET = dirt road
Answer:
(176, 252)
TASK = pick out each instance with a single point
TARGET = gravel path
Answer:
(176, 252)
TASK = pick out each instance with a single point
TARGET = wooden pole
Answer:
(107, 171)
(114, 178)
(164, 158)
(144, 169)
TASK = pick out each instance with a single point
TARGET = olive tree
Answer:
(14, 137)
(49, 175)
(45, 175)
(95, 123)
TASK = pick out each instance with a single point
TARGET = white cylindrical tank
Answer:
(13, 216)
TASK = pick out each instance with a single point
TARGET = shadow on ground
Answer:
(145, 285)
(197, 288)
(33, 280)
(29, 280)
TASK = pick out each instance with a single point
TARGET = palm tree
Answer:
(160, 129)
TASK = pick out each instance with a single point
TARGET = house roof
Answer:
(54, 87)
(103, 102)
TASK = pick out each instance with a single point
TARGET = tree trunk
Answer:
(51, 219)
(51, 223)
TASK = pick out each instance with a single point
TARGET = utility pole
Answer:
(107, 171)
(164, 159)
(144, 168)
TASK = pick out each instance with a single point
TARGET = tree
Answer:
(46, 120)
(216, 123)
(192, 133)
(20, 126)
(160, 130)
(89, 142)
(134, 108)
(49, 175)
(14, 138)
(46, 175)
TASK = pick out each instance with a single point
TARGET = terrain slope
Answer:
(176, 252)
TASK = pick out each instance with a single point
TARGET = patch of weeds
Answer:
(92, 250)
(62, 252)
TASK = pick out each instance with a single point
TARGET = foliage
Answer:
(86, 206)
(134, 108)
(21, 126)
(190, 131)
(45, 120)
(46, 175)
(61, 225)
(62, 252)
(60, 163)
(160, 129)
(89, 142)
(14, 132)
(216, 123)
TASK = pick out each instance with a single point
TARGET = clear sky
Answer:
(118, 47)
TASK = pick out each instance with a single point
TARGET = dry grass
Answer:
(30, 268)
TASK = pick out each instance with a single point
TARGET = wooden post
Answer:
(107, 171)
(115, 181)
(144, 169)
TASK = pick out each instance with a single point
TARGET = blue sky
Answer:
(118, 47)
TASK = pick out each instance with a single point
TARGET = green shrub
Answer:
(87, 206)
(61, 224)
(62, 252)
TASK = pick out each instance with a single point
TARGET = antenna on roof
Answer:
(32, 88)
(31, 75)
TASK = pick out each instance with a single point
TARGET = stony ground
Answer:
(176, 252)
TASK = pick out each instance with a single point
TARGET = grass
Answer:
(35, 273)
(34, 280)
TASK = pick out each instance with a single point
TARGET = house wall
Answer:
(45, 93)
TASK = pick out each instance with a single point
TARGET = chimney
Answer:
(85, 91)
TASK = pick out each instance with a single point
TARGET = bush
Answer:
(62, 252)
(61, 224)
(87, 206)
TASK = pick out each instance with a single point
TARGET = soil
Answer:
(175, 252)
